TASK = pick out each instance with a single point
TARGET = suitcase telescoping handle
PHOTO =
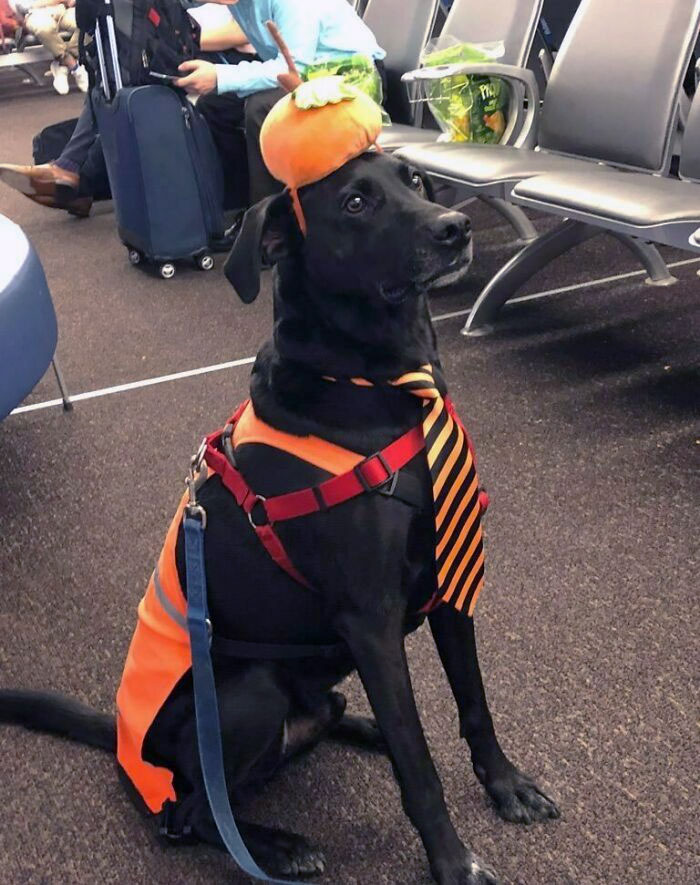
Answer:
(108, 21)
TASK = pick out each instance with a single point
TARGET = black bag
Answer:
(151, 35)
(48, 144)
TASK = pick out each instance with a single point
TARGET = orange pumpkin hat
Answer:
(315, 130)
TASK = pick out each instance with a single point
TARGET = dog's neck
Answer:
(316, 337)
(345, 336)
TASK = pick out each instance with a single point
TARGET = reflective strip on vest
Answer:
(168, 607)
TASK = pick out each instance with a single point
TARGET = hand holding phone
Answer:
(169, 78)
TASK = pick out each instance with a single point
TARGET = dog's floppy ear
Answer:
(267, 233)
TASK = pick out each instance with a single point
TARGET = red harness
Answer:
(373, 473)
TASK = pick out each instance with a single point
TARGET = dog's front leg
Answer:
(515, 795)
(378, 649)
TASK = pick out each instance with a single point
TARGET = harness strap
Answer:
(372, 474)
(369, 475)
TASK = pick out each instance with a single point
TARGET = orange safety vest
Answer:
(159, 654)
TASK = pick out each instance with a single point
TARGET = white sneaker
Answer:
(59, 73)
(80, 75)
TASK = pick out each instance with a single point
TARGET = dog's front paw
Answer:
(287, 854)
(516, 797)
(359, 731)
(469, 871)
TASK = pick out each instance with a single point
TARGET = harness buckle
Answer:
(367, 485)
(227, 445)
(258, 499)
(169, 830)
(389, 489)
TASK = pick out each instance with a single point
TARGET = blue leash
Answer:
(205, 703)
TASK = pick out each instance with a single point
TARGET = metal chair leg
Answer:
(650, 258)
(27, 70)
(521, 268)
(514, 215)
(67, 404)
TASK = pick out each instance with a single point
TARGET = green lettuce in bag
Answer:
(357, 70)
(467, 107)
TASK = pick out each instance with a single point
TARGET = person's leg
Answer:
(75, 153)
(43, 24)
(58, 185)
(224, 115)
(257, 107)
(68, 23)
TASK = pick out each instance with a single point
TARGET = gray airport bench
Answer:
(606, 107)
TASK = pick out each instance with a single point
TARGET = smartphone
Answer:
(169, 77)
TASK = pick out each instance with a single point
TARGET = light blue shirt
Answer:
(314, 30)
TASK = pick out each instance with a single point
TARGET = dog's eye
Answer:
(417, 183)
(354, 204)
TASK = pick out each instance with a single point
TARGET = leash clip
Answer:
(194, 509)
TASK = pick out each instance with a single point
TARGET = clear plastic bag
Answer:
(467, 107)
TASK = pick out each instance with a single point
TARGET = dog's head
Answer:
(373, 238)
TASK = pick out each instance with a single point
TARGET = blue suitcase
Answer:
(165, 176)
(164, 170)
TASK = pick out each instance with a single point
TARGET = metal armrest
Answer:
(521, 130)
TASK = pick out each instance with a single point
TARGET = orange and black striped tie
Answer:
(459, 544)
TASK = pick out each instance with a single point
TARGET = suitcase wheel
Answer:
(167, 270)
(135, 257)
(205, 262)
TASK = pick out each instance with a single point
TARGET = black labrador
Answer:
(350, 299)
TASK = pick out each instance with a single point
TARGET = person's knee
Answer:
(41, 25)
(259, 105)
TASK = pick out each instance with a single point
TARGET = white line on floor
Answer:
(135, 385)
(246, 361)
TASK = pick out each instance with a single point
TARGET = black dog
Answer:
(350, 301)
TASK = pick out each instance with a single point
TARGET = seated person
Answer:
(70, 181)
(46, 20)
(242, 95)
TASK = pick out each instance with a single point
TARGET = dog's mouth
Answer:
(442, 277)
(456, 270)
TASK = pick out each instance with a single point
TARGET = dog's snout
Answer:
(450, 228)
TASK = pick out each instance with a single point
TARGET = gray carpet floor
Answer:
(584, 409)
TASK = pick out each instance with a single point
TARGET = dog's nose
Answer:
(450, 228)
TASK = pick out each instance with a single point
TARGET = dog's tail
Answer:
(57, 714)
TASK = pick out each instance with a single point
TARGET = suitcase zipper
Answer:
(212, 214)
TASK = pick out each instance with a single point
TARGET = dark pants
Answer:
(83, 155)
(229, 116)
(76, 152)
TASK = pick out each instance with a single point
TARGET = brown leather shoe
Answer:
(47, 185)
